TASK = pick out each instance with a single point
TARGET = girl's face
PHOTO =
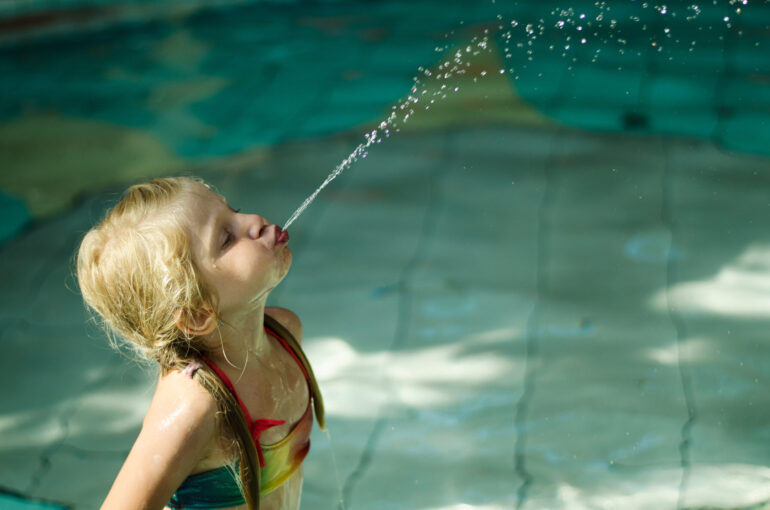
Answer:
(239, 255)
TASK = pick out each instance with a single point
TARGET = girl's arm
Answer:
(176, 434)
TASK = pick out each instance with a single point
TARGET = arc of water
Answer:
(358, 152)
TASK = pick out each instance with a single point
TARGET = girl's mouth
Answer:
(281, 236)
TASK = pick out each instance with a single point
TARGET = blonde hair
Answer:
(136, 271)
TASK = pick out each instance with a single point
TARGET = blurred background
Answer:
(547, 286)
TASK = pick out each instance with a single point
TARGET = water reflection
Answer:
(740, 289)
(357, 384)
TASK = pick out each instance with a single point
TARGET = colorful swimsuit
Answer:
(218, 488)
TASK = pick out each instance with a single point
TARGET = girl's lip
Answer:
(281, 236)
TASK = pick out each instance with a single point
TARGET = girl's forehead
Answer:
(200, 205)
(201, 212)
(202, 195)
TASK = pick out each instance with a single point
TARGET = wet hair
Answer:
(136, 271)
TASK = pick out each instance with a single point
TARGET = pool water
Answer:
(549, 290)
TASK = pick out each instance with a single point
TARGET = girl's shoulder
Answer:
(181, 405)
(288, 320)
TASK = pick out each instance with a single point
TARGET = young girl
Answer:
(184, 278)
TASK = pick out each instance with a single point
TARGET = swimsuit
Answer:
(218, 488)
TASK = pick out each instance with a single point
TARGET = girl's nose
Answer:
(255, 228)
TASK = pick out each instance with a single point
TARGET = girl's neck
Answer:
(239, 337)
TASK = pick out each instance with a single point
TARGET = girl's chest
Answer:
(276, 390)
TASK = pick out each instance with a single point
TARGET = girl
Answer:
(184, 278)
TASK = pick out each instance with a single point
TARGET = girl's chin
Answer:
(287, 259)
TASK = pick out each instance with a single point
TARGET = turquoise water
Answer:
(547, 291)
(20, 503)
(211, 83)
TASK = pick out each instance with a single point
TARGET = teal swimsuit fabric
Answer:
(217, 488)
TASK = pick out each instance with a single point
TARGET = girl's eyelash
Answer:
(228, 238)
(229, 235)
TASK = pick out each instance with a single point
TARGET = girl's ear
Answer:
(200, 322)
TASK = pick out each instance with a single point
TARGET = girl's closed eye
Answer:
(229, 238)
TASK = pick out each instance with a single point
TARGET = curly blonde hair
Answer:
(136, 271)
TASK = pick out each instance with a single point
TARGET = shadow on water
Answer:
(607, 357)
(500, 313)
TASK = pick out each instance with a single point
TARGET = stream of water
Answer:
(567, 29)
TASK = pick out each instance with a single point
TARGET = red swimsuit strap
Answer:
(286, 346)
(257, 426)
(226, 380)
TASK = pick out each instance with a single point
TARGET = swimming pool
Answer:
(548, 291)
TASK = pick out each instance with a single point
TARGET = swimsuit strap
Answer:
(277, 330)
(229, 385)
(257, 426)
(288, 349)
(288, 342)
